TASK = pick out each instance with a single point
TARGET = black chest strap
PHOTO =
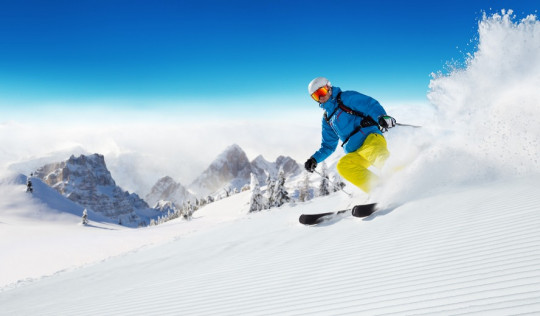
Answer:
(367, 121)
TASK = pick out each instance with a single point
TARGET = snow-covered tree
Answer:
(281, 196)
(337, 183)
(303, 190)
(85, 217)
(270, 191)
(187, 212)
(256, 202)
(324, 188)
(29, 187)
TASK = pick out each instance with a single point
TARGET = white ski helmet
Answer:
(316, 83)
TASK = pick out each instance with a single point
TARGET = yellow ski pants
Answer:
(354, 166)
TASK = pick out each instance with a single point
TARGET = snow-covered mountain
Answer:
(232, 170)
(262, 168)
(166, 189)
(86, 181)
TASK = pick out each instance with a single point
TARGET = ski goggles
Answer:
(321, 92)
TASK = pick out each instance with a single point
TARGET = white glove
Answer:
(386, 122)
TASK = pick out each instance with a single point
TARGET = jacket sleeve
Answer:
(376, 110)
(329, 142)
(368, 105)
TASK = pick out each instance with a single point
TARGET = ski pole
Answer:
(408, 125)
(333, 184)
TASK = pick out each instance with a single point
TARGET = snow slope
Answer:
(474, 250)
(41, 234)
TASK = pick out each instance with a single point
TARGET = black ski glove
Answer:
(310, 164)
(386, 122)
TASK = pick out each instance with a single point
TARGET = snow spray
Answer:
(486, 125)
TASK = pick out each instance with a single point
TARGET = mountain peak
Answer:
(231, 164)
(86, 181)
(232, 169)
(166, 189)
(234, 147)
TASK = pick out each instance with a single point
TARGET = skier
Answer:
(358, 121)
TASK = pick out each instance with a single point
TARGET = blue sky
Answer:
(182, 54)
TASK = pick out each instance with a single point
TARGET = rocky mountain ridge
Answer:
(86, 181)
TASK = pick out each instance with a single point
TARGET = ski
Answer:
(313, 219)
(362, 210)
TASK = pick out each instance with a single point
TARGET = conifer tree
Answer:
(337, 183)
(324, 188)
(188, 211)
(270, 191)
(303, 191)
(256, 202)
(85, 217)
(281, 196)
(29, 187)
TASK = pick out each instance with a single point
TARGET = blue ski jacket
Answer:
(340, 125)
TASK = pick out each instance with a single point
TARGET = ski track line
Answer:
(450, 227)
(257, 274)
(418, 269)
(414, 300)
(483, 219)
(326, 305)
(245, 297)
(496, 244)
(241, 285)
(424, 284)
(510, 302)
(476, 306)
(464, 238)
(201, 293)
(479, 247)
(531, 309)
(293, 302)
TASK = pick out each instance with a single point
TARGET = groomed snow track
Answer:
(473, 251)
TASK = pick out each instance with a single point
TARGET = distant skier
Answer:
(358, 121)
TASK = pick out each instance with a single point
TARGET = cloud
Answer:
(142, 144)
(140, 151)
